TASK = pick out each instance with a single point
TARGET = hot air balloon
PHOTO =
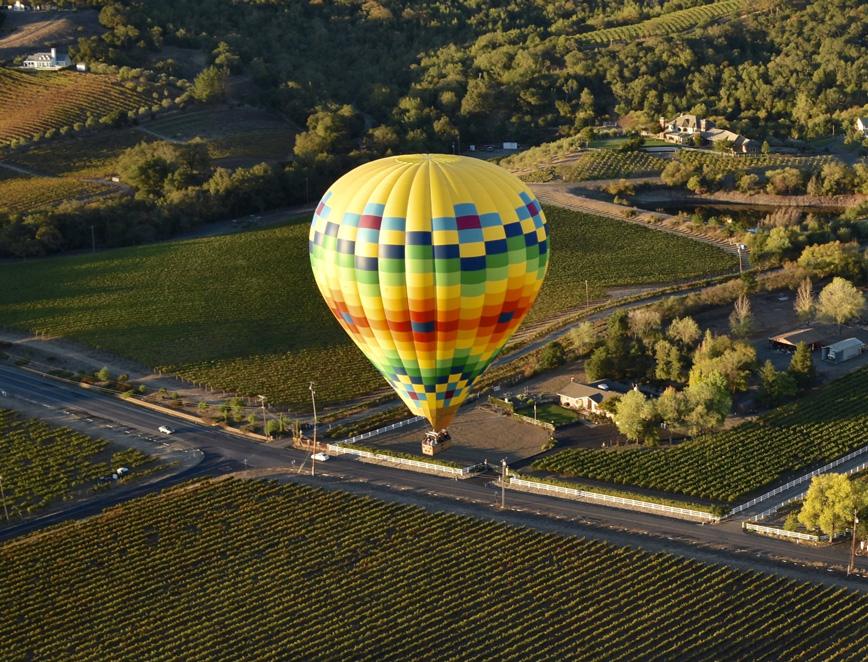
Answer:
(429, 262)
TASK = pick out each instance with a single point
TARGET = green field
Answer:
(729, 465)
(669, 23)
(241, 312)
(41, 463)
(244, 570)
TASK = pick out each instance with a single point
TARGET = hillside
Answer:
(33, 103)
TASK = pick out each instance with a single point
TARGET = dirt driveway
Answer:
(478, 434)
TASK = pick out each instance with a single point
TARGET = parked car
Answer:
(122, 471)
(320, 457)
(165, 429)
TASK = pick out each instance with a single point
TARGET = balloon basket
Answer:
(436, 442)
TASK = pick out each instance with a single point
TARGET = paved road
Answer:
(225, 452)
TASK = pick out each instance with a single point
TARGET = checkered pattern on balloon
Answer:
(430, 263)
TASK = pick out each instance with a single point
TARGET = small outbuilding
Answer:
(843, 350)
(788, 341)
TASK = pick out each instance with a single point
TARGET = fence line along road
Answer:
(338, 449)
(383, 430)
(630, 504)
(771, 511)
(783, 488)
(775, 532)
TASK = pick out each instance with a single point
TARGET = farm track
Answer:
(555, 193)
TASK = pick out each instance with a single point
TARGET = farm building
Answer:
(843, 350)
(586, 396)
(51, 61)
(590, 397)
(787, 341)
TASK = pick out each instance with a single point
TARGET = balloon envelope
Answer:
(429, 262)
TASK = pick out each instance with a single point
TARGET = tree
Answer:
(669, 362)
(734, 361)
(708, 403)
(804, 305)
(210, 85)
(635, 416)
(552, 356)
(741, 318)
(784, 181)
(775, 386)
(764, 148)
(832, 259)
(802, 366)
(829, 504)
(103, 374)
(685, 331)
(272, 427)
(840, 302)
(583, 338)
(672, 407)
(644, 324)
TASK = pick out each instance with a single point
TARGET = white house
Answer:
(589, 397)
(51, 61)
(862, 125)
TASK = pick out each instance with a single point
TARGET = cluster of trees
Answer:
(176, 189)
(699, 373)
(510, 68)
(831, 179)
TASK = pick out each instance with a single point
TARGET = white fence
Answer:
(802, 479)
(339, 449)
(782, 533)
(672, 511)
(379, 431)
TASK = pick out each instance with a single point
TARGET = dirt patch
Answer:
(26, 32)
(478, 434)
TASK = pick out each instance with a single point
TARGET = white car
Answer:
(165, 429)
(320, 457)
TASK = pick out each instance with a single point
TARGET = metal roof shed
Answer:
(843, 350)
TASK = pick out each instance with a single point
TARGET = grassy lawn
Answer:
(613, 142)
(241, 312)
(550, 413)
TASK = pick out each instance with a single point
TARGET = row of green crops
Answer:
(670, 23)
(243, 569)
(41, 463)
(729, 465)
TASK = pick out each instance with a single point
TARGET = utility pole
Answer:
(3, 496)
(313, 449)
(264, 426)
(92, 240)
(587, 295)
(503, 484)
(852, 566)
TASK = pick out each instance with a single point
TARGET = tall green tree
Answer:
(829, 504)
(840, 302)
(802, 366)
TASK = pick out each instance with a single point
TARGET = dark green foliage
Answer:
(802, 366)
